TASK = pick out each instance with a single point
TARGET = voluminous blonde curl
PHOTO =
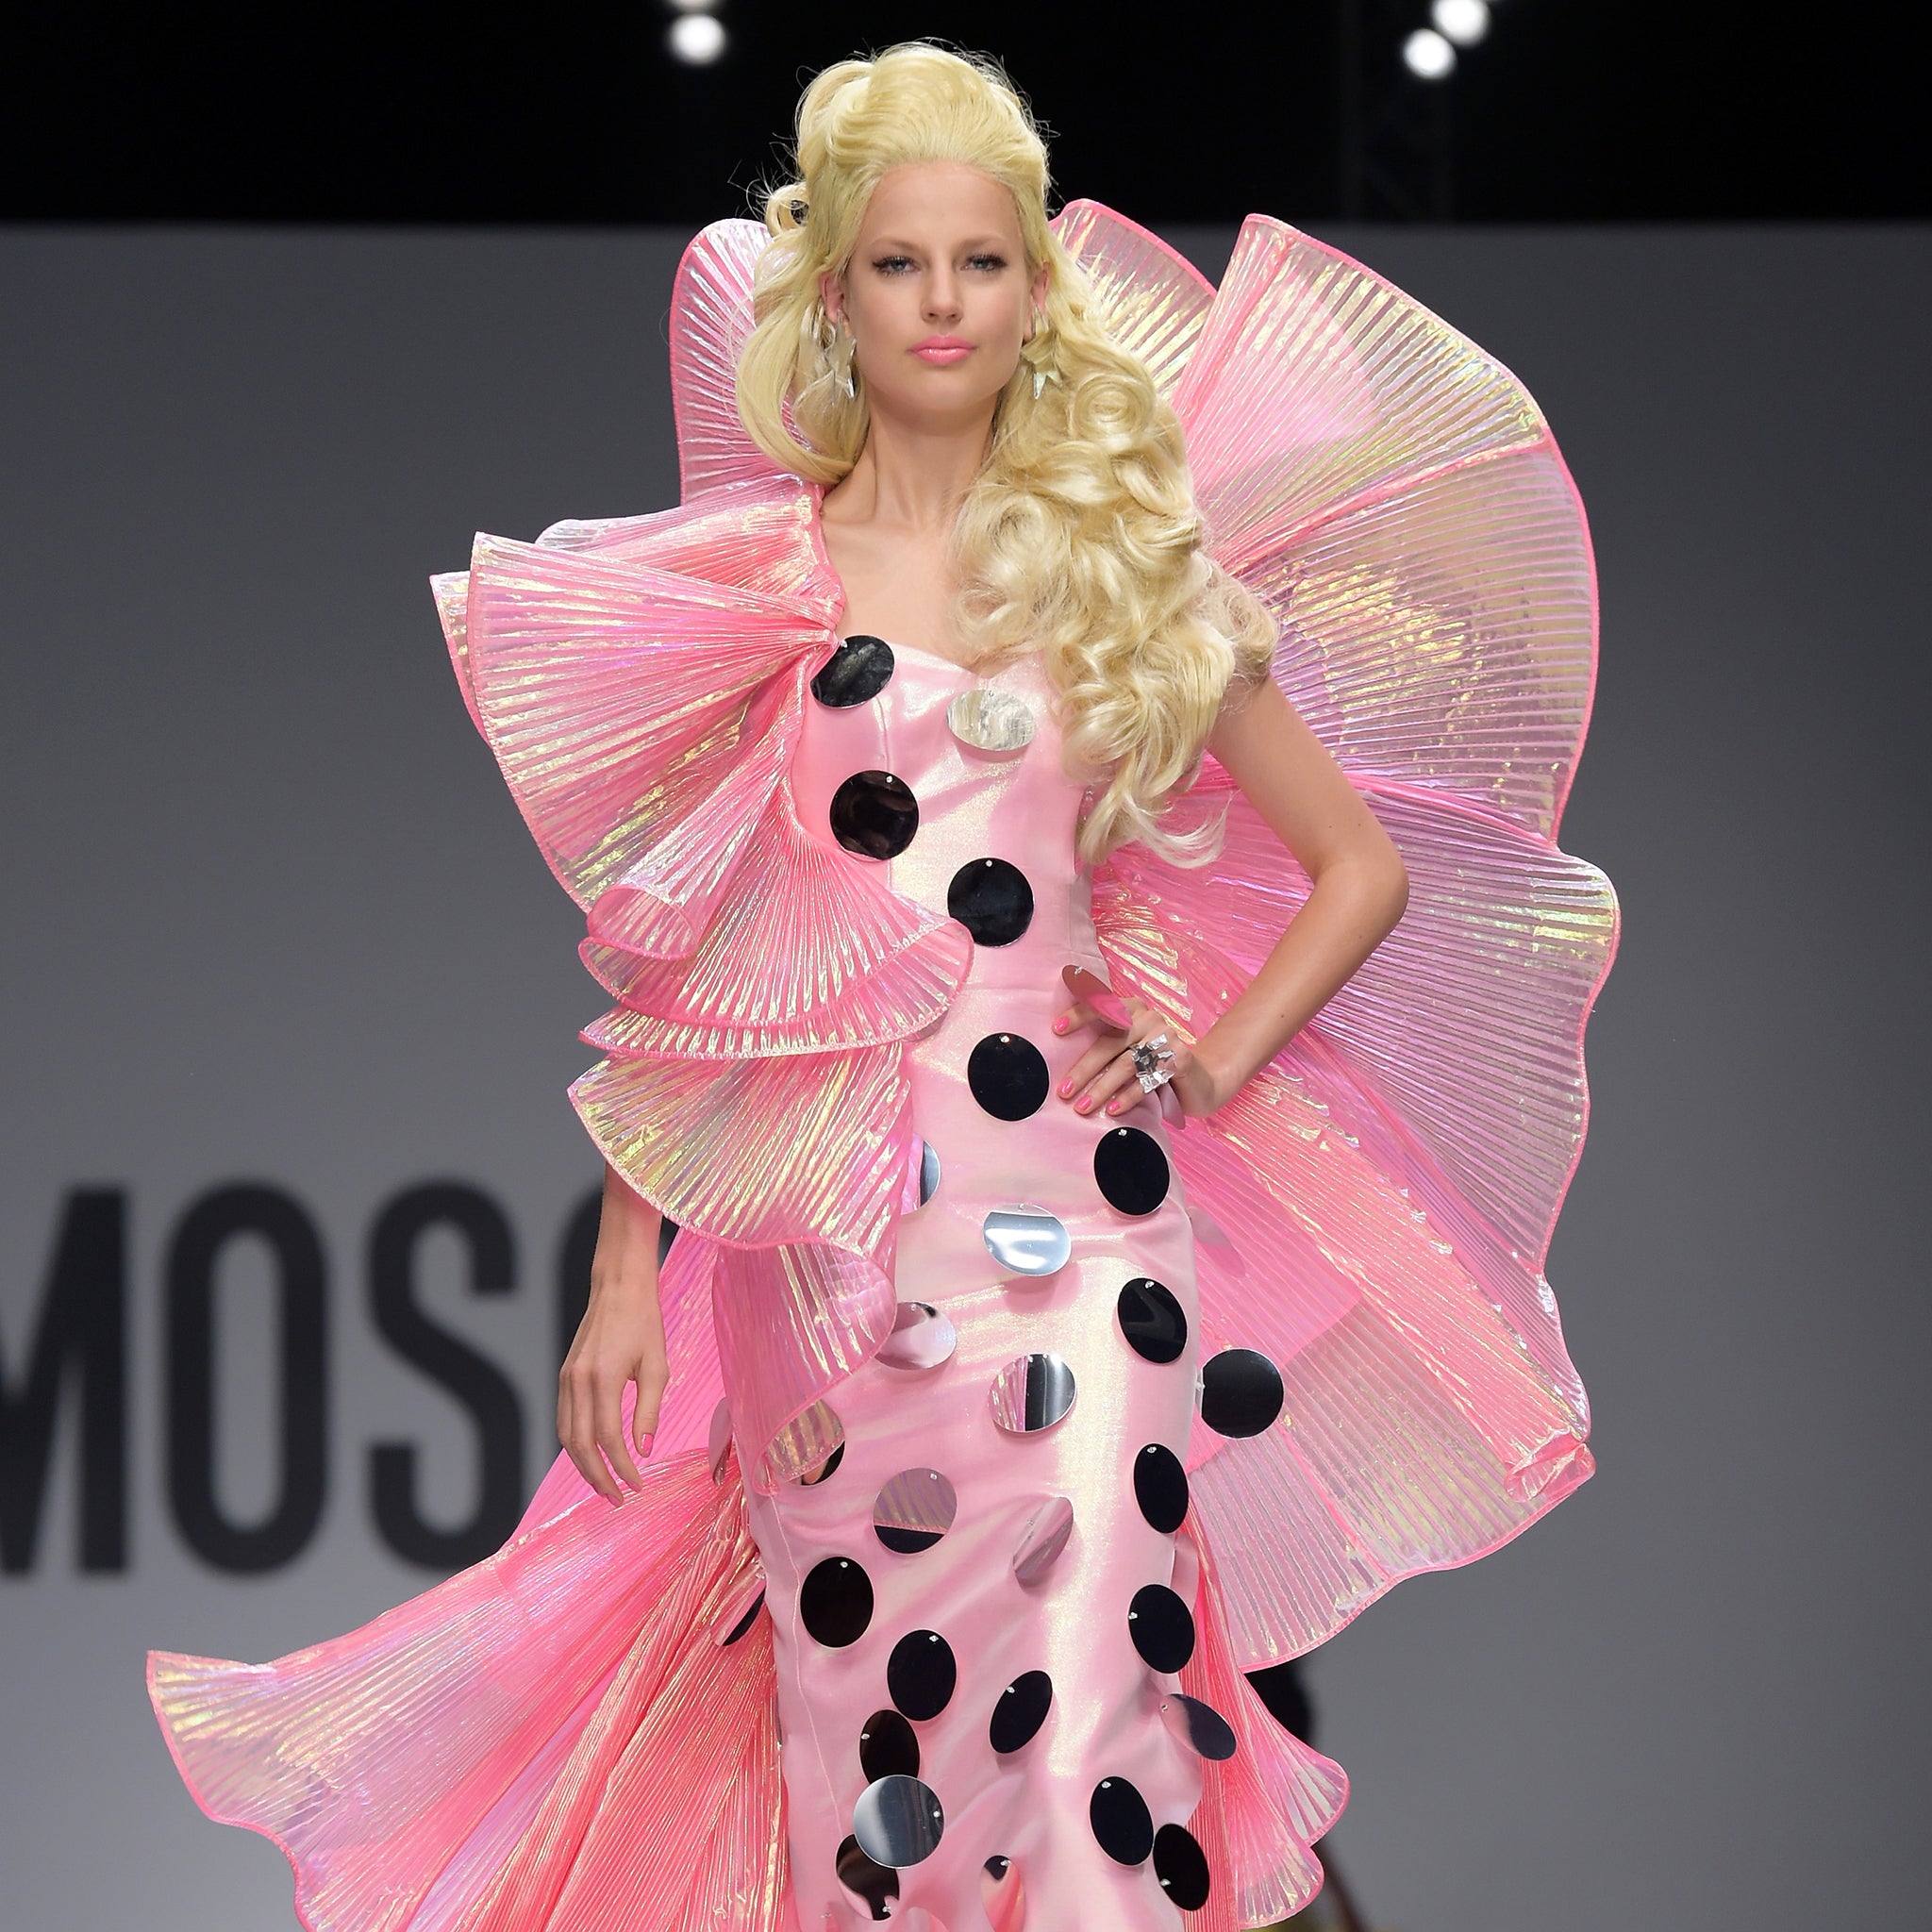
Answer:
(1079, 540)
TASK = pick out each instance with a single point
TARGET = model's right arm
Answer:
(620, 1339)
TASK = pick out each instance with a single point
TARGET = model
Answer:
(1086, 1320)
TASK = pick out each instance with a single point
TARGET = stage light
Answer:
(696, 39)
(1461, 21)
(1429, 56)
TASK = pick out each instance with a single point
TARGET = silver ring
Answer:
(1153, 1062)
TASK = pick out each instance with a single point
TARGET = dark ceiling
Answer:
(1571, 111)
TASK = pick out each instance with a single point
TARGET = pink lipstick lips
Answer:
(942, 350)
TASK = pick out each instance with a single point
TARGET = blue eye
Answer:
(901, 264)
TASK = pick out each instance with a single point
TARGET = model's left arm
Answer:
(1358, 889)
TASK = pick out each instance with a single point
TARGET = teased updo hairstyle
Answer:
(1079, 539)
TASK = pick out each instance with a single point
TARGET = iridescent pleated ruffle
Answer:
(480, 1756)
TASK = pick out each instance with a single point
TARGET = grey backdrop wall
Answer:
(272, 923)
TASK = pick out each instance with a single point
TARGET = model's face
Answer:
(937, 294)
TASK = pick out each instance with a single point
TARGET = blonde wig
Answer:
(1079, 540)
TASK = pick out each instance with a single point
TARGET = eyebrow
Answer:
(976, 241)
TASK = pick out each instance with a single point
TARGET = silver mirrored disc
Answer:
(1026, 1241)
(1198, 1725)
(721, 1438)
(1032, 1391)
(897, 1820)
(989, 720)
(803, 1447)
(914, 1510)
(1043, 1539)
(928, 1172)
(922, 1338)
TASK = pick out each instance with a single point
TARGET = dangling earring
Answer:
(844, 347)
(1042, 363)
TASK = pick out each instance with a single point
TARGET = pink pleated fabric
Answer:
(810, 1065)
(480, 1756)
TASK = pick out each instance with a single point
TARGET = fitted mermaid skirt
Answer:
(977, 1631)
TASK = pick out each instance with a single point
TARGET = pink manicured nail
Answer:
(650, 1435)
(1113, 1107)
(1066, 1088)
(1081, 1105)
(1059, 1026)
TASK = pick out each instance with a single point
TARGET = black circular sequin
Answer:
(1181, 1866)
(1162, 1628)
(874, 814)
(825, 1469)
(888, 1747)
(1131, 1170)
(1007, 1076)
(857, 671)
(1121, 1821)
(921, 1674)
(1241, 1392)
(1021, 1711)
(1153, 1321)
(992, 900)
(876, 1884)
(745, 1621)
(1199, 1726)
(1160, 1488)
(835, 1602)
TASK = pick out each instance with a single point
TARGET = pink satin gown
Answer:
(970, 1571)
(1000, 1441)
